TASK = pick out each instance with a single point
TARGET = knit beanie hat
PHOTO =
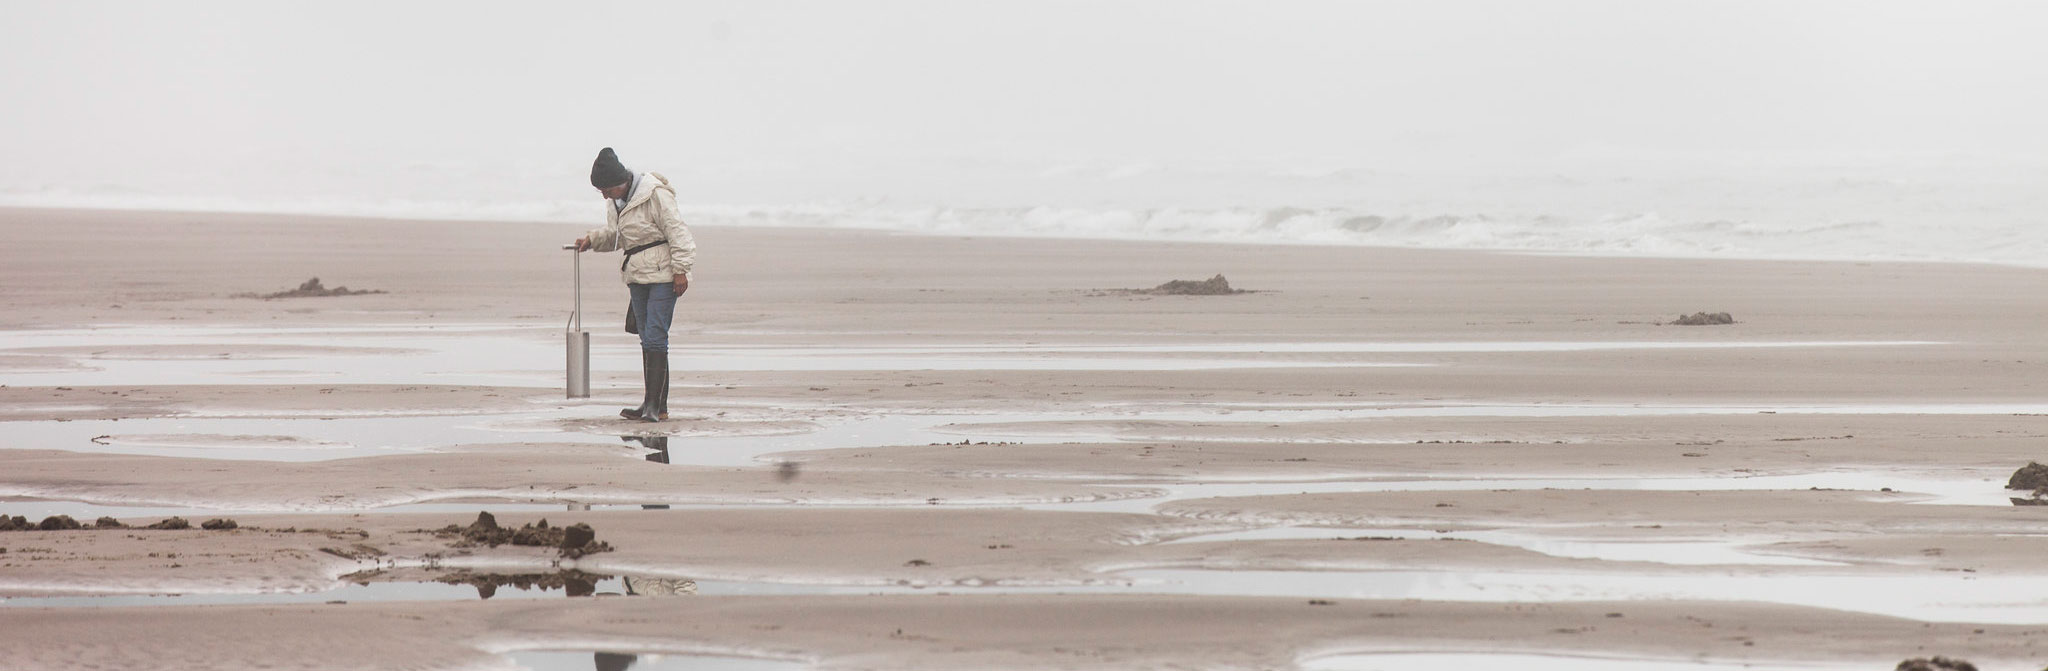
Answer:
(607, 172)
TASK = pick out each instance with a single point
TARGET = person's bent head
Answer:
(609, 176)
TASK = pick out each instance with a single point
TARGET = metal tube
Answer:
(579, 364)
(578, 339)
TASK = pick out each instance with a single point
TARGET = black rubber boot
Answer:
(647, 387)
(657, 389)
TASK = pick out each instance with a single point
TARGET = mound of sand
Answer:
(1704, 319)
(310, 289)
(1935, 664)
(2031, 477)
(574, 541)
(2034, 475)
(1214, 286)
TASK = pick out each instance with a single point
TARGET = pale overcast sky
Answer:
(785, 100)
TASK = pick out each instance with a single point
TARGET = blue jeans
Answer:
(656, 305)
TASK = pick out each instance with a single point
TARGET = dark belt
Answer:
(639, 249)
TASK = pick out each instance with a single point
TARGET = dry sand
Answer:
(1022, 463)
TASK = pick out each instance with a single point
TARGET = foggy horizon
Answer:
(788, 101)
(1898, 130)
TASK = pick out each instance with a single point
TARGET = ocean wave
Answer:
(1632, 234)
(2007, 240)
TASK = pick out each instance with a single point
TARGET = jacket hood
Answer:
(645, 188)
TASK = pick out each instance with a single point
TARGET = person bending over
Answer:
(643, 221)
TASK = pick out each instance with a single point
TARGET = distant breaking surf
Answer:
(2004, 240)
(1612, 235)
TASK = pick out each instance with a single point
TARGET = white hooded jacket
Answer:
(649, 216)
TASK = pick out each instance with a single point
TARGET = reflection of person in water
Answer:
(639, 586)
(660, 456)
(613, 661)
(657, 443)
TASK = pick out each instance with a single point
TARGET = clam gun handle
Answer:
(568, 246)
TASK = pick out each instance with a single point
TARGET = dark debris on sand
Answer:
(1934, 664)
(66, 523)
(574, 541)
(2031, 477)
(2034, 475)
(1214, 286)
(51, 523)
(59, 523)
(1704, 319)
(310, 289)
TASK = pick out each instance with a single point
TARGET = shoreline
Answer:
(1484, 452)
(597, 219)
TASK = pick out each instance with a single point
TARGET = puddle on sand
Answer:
(644, 661)
(37, 509)
(1437, 347)
(443, 354)
(1951, 491)
(378, 591)
(477, 354)
(1955, 597)
(749, 451)
(477, 586)
(1409, 661)
(1702, 552)
(322, 439)
(745, 440)
(1158, 420)
(316, 439)
(1927, 598)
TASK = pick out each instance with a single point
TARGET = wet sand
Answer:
(937, 452)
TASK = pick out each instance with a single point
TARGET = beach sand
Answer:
(932, 452)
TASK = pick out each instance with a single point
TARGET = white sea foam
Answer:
(1640, 234)
(1833, 228)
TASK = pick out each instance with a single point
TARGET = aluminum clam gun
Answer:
(579, 339)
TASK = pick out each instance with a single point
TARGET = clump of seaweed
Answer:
(310, 289)
(1704, 319)
(574, 541)
(1214, 286)
(2031, 477)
